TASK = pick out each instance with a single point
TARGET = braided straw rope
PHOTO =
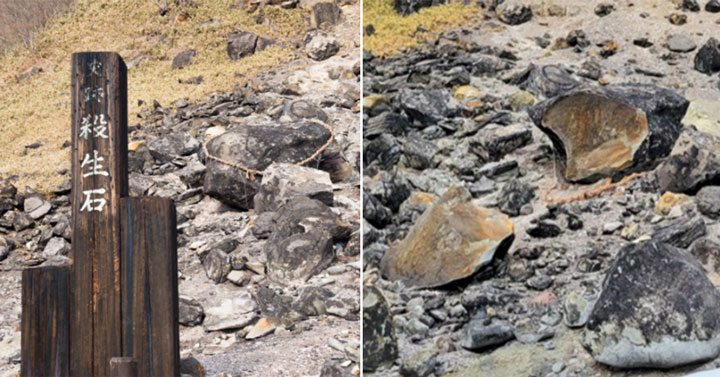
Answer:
(251, 173)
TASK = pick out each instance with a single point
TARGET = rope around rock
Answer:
(251, 173)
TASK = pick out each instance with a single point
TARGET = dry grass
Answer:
(37, 109)
(395, 33)
(20, 19)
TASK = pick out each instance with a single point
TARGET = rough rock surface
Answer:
(656, 309)
(256, 148)
(450, 241)
(586, 127)
(283, 182)
(379, 345)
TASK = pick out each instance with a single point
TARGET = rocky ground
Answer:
(268, 282)
(540, 194)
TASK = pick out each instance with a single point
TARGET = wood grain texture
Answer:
(95, 324)
(123, 367)
(149, 285)
(45, 349)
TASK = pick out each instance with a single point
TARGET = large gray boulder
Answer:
(379, 341)
(257, 147)
(657, 309)
(610, 131)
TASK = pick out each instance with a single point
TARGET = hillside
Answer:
(289, 109)
(36, 108)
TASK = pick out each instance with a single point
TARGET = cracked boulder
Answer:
(611, 131)
(283, 182)
(256, 148)
(657, 309)
(450, 241)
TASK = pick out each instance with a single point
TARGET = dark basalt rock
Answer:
(256, 148)
(245, 43)
(513, 196)
(384, 151)
(708, 201)
(375, 212)
(611, 131)
(712, 6)
(302, 109)
(325, 15)
(405, 7)
(681, 233)
(168, 147)
(379, 342)
(657, 309)
(480, 335)
(707, 59)
(183, 59)
(512, 13)
(190, 313)
(546, 81)
(693, 163)
(427, 106)
(302, 243)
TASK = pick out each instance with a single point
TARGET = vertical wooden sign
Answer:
(100, 179)
(149, 285)
(45, 340)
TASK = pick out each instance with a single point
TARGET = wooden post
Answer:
(123, 367)
(100, 179)
(45, 349)
(149, 285)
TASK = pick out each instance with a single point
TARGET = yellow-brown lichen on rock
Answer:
(450, 241)
(611, 131)
(600, 134)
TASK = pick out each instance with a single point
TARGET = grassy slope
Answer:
(394, 33)
(37, 109)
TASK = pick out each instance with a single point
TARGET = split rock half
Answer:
(610, 131)
(450, 241)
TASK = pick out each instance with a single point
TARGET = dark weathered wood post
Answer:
(149, 285)
(45, 349)
(123, 367)
(100, 179)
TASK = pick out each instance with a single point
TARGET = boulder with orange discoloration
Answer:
(611, 131)
(452, 240)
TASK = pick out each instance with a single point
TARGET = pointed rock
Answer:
(450, 241)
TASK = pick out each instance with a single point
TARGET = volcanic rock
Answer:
(657, 309)
(283, 182)
(190, 312)
(693, 163)
(427, 106)
(379, 342)
(302, 243)
(708, 201)
(232, 313)
(325, 15)
(480, 335)
(405, 7)
(547, 81)
(256, 148)
(707, 59)
(450, 241)
(514, 13)
(609, 131)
